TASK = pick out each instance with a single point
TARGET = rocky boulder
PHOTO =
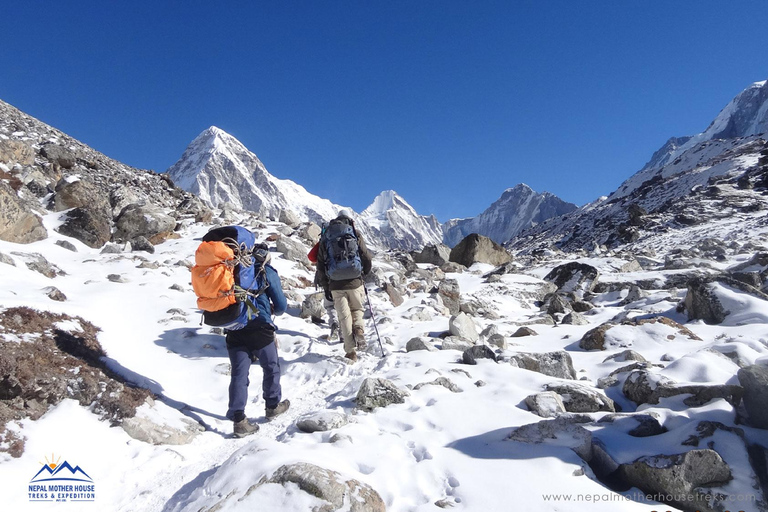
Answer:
(579, 398)
(479, 249)
(142, 220)
(702, 299)
(472, 354)
(555, 364)
(547, 404)
(321, 421)
(574, 277)
(433, 255)
(463, 326)
(645, 387)
(594, 339)
(682, 474)
(18, 222)
(91, 226)
(377, 392)
(754, 380)
(76, 193)
(339, 493)
(449, 293)
(58, 155)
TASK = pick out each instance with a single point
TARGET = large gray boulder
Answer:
(377, 392)
(92, 226)
(565, 430)
(292, 249)
(59, 155)
(702, 300)
(76, 193)
(321, 421)
(144, 428)
(574, 277)
(472, 354)
(313, 307)
(340, 493)
(547, 404)
(432, 254)
(18, 222)
(449, 293)
(142, 220)
(479, 249)
(754, 380)
(580, 398)
(671, 476)
(463, 326)
(645, 387)
(555, 364)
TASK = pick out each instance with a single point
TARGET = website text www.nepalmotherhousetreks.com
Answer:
(735, 499)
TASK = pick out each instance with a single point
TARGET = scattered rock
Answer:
(578, 398)
(472, 354)
(463, 326)
(322, 421)
(678, 475)
(440, 381)
(420, 343)
(524, 331)
(574, 277)
(555, 364)
(754, 380)
(547, 404)
(327, 485)
(479, 249)
(377, 392)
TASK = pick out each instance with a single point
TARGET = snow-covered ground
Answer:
(438, 445)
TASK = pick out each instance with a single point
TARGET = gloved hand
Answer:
(328, 295)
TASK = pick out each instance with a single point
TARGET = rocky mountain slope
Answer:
(518, 208)
(44, 169)
(688, 185)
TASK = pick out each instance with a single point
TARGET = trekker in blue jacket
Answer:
(256, 341)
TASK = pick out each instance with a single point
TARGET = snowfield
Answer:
(438, 447)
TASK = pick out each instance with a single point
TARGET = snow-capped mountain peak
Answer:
(385, 201)
(746, 116)
(518, 208)
(391, 218)
(221, 170)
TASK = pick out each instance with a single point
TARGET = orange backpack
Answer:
(213, 277)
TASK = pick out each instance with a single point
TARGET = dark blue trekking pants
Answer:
(240, 357)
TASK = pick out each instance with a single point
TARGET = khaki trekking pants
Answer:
(349, 306)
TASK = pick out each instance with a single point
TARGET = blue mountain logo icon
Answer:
(61, 472)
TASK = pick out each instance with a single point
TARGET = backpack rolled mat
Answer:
(228, 276)
(343, 252)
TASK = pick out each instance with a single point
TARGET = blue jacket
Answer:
(273, 300)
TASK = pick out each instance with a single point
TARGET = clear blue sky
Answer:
(447, 102)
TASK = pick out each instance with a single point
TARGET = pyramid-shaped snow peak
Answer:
(394, 223)
(221, 170)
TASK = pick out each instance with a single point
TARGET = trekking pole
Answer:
(370, 308)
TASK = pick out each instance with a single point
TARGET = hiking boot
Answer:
(278, 409)
(334, 336)
(359, 336)
(245, 428)
(352, 356)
